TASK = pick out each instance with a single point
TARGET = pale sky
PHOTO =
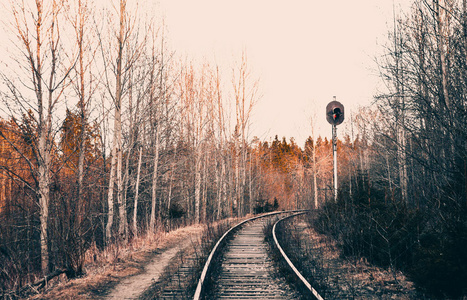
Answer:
(304, 52)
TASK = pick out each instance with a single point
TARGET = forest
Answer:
(106, 135)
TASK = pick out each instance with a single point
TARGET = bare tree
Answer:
(314, 162)
(135, 207)
(246, 96)
(119, 57)
(37, 30)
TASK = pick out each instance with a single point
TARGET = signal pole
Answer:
(334, 156)
(335, 116)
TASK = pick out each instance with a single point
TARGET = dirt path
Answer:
(126, 272)
(132, 287)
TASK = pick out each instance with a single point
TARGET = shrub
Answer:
(428, 243)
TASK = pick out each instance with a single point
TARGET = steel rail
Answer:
(207, 265)
(291, 265)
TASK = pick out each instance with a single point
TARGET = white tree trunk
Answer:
(169, 196)
(204, 179)
(219, 178)
(250, 186)
(44, 196)
(110, 195)
(197, 185)
(242, 195)
(224, 186)
(315, 175)
(81, 73)
(123, 228)
(135, 210)
(402, 160)
(123, 223)
(116, 166)
(236, 203)
(152, 222)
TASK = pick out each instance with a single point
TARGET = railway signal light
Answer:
(335, 113)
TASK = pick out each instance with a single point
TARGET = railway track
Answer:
(239, 266)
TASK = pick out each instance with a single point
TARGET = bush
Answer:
(428, 243)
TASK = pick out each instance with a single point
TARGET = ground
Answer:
(336, 276)
(120, 273)
(123, 272)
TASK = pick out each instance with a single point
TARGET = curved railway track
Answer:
(243, 267)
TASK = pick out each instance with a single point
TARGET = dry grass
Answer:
(355, 275)
(104, 269)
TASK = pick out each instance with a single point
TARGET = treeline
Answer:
(409, 209)
(277, 175)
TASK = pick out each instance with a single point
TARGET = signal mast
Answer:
(335, 116)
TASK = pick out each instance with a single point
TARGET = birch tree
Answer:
(119, 57)
(194, 120)
(400, 112)
(246, 95)
(313, 161)
(41, 53)
(85, 84)
(156, 94)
